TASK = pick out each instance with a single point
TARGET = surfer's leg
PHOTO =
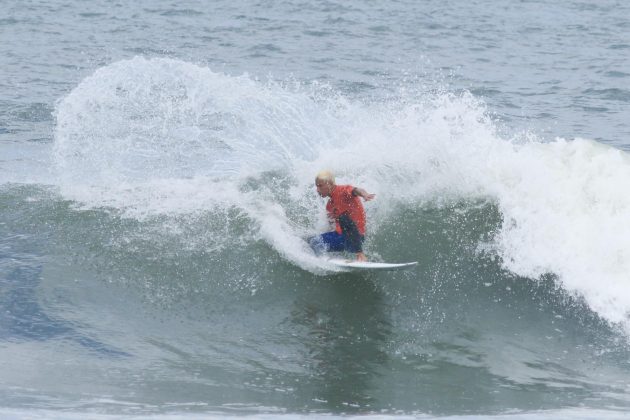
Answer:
(353, 239)
(327, 242)
(317, 244)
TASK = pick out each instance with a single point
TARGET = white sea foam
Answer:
(565, 207)
(163, 136)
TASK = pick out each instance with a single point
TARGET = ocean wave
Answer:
(164, 137)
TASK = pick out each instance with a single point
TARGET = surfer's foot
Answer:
(361, 256)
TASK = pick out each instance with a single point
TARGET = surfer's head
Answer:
(324, 182)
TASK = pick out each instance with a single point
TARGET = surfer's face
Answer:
(324, 188)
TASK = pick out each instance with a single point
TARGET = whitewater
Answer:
(198, 138)
(154, 203)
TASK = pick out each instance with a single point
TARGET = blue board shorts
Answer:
(349, 239)
(334, 242)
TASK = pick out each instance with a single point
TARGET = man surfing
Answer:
(345, 209)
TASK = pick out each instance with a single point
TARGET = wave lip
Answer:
(564, 209)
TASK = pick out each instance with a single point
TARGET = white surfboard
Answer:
(349, 265)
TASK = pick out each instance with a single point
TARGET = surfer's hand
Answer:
(362, 193)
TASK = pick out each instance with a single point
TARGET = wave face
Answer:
(159, 264)
(164, 138)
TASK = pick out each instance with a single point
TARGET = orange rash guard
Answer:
(342, 201)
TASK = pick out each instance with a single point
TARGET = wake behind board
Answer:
(347, 265)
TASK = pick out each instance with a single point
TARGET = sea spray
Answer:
(164, 137)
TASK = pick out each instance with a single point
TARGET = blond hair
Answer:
(326, 176)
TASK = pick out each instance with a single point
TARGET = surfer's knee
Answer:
(354, 244)
(317, 244)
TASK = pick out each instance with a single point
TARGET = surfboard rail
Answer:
(350, 265)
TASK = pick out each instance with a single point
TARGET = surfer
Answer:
(345, 209)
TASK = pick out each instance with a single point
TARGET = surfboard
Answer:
(349, 265)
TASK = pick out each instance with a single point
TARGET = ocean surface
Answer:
(157, 163)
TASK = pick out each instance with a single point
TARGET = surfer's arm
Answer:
(360, 192)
